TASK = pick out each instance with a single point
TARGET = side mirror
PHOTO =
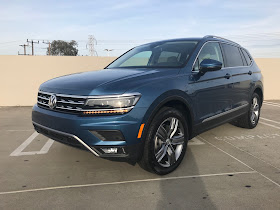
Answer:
(210, 65)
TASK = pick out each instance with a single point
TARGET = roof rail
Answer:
(218, 37)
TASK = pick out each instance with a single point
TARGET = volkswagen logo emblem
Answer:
(52, 101)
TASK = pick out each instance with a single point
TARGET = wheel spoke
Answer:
(173, 127)
(161, 153)
(256, 113)
(169, 142)
(162, 133)
(255, 110)
(255, 102)
(177, 140)
(171, 155)
(253, 116)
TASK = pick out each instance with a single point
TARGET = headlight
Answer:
(111, 104)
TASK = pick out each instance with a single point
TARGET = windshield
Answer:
(168, 54)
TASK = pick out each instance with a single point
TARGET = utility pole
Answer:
(108, 51)
(24, 48)
(32, 44)
(49, 43)
(90, 45)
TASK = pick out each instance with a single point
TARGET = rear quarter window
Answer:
(247, 57)
(232, 56)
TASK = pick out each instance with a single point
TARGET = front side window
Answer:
(167, 56)
(232, 55)
(156, 55)
(210, 50)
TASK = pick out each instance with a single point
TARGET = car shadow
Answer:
(187, 191)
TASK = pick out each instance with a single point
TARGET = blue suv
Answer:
(147, 104)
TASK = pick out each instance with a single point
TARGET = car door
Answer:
(241, 74)
(211, 94)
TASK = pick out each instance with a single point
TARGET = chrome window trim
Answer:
(224, 113)
(71, 135)
(199, 53)
(237, 67)
(252, 60)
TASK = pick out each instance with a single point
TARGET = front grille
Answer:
(64, 103)
(65, 139)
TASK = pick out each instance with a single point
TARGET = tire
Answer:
(166, 142)
(251, 118)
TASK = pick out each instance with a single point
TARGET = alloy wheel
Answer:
(169, 142)
(255, 110)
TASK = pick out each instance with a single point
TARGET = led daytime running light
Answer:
(107, 111)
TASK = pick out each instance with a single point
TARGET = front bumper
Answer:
(75, 130)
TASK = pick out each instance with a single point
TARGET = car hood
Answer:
(106, 81)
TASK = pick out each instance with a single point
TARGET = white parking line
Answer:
(195, 141)
(124, 182)
(270, 120)
(19, 151)
(270, 125)
(226, 153)
(271, 104)
(250, 154)
(240, 161)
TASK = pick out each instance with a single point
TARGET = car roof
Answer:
(218, 38)
(205, 38)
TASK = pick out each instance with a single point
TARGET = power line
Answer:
(10, 42)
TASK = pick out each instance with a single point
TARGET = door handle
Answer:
(250, 72)
(227, 76)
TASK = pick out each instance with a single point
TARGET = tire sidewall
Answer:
(253, 125)
(156, 122)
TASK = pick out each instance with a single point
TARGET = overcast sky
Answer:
(121, 25)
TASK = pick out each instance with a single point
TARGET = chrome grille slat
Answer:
(63, 95)
(72, 104)
(68, 102)
(45, 104)
(64, 108)
(65, 103)
(44, 98)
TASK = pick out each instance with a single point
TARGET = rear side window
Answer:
(232, 56)
(247, 57)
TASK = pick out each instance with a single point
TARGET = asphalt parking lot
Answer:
(224, 168)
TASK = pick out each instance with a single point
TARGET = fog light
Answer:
(108, 135)
(112, 150)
